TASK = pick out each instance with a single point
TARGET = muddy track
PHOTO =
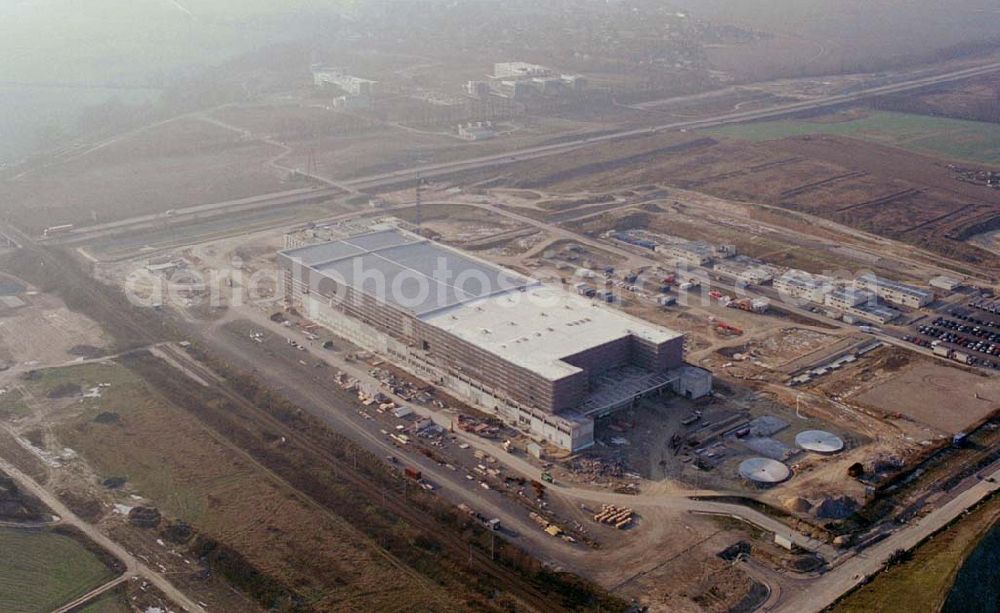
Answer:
(906, 193)
(808, 187)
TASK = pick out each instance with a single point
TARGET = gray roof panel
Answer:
(314, 255)
(407, 271)
(381, 240)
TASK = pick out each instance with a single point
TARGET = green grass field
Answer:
(129, 398)
(41, 570)
(950, 138)
(85, 376)
(111, 602)
(923, 582)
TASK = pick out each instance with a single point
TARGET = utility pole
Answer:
(419, 216)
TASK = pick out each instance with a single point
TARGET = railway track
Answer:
(342, 468)
(111, 314)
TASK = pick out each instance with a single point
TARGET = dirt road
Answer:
(319, 401)
(133, 567)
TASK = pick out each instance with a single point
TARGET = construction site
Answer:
(544, 339)
(627, 363)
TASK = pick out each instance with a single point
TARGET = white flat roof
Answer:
(539, 326)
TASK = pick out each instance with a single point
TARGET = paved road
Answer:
(194, 213)
(680, 501)
(433, 170)
(825, 590)
(92, 594)
(848, 570)
(430, 171)
(133, 567)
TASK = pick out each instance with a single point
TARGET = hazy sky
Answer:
(142, 44)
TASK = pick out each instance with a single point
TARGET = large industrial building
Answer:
(543, 359)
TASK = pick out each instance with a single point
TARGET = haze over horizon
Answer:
(58, 58)
(504, 306)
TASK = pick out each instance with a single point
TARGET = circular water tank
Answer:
(819, 441)
(764, 471)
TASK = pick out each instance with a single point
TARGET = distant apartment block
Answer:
(477, 131)
(352, 85)
(521, 79)
(519, 70)
(478, 89)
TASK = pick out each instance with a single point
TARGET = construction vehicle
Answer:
(724, 328)
(689, 285)
(539, 489)
(687, 421)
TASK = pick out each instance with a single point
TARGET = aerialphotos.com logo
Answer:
(189, 288)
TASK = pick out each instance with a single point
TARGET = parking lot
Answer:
(427, 454)
(968, 334)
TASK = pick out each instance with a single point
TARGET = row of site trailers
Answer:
(619, 517)
(946, 352)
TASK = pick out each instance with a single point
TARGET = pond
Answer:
(10, 288)
(977, 585)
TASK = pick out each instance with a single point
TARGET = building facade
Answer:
(895, 292)
(544, 359)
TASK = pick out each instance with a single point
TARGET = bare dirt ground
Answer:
(615, 563)
(691, 578)
(907, 196)
(44, 331)
(180, 163)
(293, 121)
(388, 147)
(943, 397)
(696, 580)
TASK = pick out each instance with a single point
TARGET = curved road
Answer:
(445, 168)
